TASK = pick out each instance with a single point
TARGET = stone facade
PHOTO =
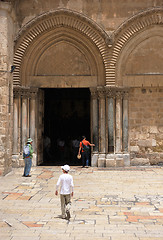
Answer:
(146, 133)
(6, 87)
(114, 48)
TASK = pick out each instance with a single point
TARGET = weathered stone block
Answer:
(154, 161)
(110, 156)
(153, 129)
(147, 143)
(101, 162)
(161, 156)
(126, 158)
(119, 162)
(110, 162)
(160, 129)
(140, 161)
(134, 149)
(94, 161)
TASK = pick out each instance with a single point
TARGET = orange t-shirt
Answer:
(85, 142)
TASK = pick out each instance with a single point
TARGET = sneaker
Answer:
(68, 214)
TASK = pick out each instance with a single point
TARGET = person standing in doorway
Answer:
(28, 155)
(75, 148)
(84, 149)
(47, 146)
(66, 184)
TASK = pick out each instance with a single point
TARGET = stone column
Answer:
(111, 119)
(94, 125)
(125, 122)
(110, 156)
(118, 139)
(32, 123)
(6, 86)
(16, 125)
(24, 120)
(32, 119)
(102, 127)
(126, 155)
(16, 128)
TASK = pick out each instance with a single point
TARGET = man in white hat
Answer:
(66, 184)
(27, 156)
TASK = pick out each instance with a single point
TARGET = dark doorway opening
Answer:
(66, 120)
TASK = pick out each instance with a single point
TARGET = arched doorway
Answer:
(57, 53)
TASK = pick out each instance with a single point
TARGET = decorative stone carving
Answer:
(72, 21)
(94, 93)
(128, 30)
(110, 92)
(101, 92)
(25, 92)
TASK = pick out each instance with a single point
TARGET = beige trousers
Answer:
(65, 203)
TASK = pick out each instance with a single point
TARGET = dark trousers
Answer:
(85, 158)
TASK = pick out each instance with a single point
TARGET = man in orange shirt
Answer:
(85, 150)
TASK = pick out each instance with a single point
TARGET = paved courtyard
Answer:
(108, 204)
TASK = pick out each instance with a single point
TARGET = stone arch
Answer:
(128, 31)
(62, 24)
(140, 63)
(31, 63)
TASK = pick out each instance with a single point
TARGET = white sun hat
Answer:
(66, 168)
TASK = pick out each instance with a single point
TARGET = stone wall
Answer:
(146, 126)
(107, 13)
(6, 87)
(132, 64)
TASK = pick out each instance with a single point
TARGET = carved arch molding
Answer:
(128, 31)
(108, 47)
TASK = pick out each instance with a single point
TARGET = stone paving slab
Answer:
(112, 204)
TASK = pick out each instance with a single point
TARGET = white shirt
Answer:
(66, 184)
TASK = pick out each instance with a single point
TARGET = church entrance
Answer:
(66, 120)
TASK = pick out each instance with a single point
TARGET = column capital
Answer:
(25, 92)
(122, 92)
(101, 92)
(33, 92)
(94, 93)
(110, 92)
(126, 95)
(119, 94)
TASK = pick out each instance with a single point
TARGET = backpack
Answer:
(85, 147)
(26, 151)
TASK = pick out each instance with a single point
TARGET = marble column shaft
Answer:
(24, 120)
(16, 125)
(95, 119)
(32, 120)
(111, 124)
(118, 130)
(125, 122)
(102, 121)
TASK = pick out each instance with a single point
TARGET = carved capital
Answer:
(125, 95)
(119, 94)
(122, 92)
(94, 93)
(101, 92)
(33, 92)
(25, 92)
(110, 92)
